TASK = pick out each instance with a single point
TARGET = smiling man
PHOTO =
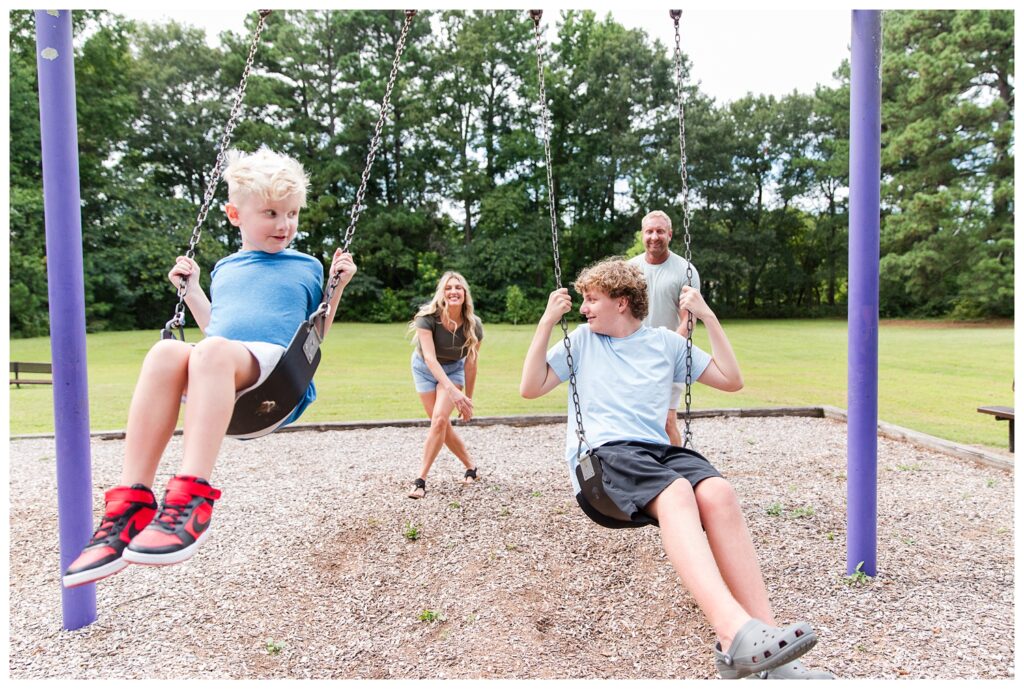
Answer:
(665, 273)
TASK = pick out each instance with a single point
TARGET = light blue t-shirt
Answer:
(624, 385)
(261, 297)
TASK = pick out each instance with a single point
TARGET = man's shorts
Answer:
(635, 473)
(424, 379)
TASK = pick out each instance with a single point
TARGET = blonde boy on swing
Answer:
(258, 297)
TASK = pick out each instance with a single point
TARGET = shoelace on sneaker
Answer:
(108, 526)
(120, 499)
(172, 514)
(181, 492)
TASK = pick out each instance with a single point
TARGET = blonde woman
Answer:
(444, 364)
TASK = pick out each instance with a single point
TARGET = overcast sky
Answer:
(733, 51)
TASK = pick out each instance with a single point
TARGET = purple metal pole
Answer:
(59, 135)
(862, 376)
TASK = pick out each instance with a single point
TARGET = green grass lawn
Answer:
(932, 377)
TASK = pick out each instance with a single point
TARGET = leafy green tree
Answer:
(947, 161)
(829, 164)
(516, 307)
(476, 86)
(611, 88)
(460, 179)
(27, 284)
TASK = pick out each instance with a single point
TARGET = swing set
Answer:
(592, 498)
(263, 409)
(259, 411)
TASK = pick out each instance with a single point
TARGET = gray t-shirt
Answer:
(447, 344)
(664, 282)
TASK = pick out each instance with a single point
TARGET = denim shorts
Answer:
(425, 380)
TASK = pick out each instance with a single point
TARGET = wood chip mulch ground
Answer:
(319, 566)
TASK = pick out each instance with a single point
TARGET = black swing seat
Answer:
(261, 411)
(594, 501)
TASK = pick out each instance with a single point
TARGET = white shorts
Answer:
(266, 354)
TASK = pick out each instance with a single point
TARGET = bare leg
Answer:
(672, 428)
(153, 412)
(216, 370)
(732, 546)
(451, 439)
(439, 425)
(675, 508)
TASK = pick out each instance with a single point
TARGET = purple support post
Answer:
(862, 376)
(62, 204)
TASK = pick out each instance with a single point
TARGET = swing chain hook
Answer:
(177, 321)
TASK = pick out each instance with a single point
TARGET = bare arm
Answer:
(723, 373)
(341, 263)
(186, 269)
(471, 364)
(538, 377)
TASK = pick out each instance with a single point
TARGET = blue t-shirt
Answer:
(624, 385)
(260, 297)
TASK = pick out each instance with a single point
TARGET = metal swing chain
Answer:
(357, 206)
(676, 14)
(536, 15)
(178, 319)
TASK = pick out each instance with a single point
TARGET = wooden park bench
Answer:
(1000, 413)
(21, 367)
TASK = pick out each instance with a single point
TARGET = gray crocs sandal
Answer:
(794, 670)
(758, 647)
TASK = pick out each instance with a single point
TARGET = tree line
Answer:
(460, 179)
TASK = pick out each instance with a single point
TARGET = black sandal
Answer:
(470, 474)
(418, 484)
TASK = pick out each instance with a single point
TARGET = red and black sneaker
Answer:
(128, 511)
(180, 528)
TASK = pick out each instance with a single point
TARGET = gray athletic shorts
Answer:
(635, 473)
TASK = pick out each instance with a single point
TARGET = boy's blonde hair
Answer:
(616, 277)
(266, 174)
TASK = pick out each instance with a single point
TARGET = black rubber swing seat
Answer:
(594, 501)
(263, 409)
